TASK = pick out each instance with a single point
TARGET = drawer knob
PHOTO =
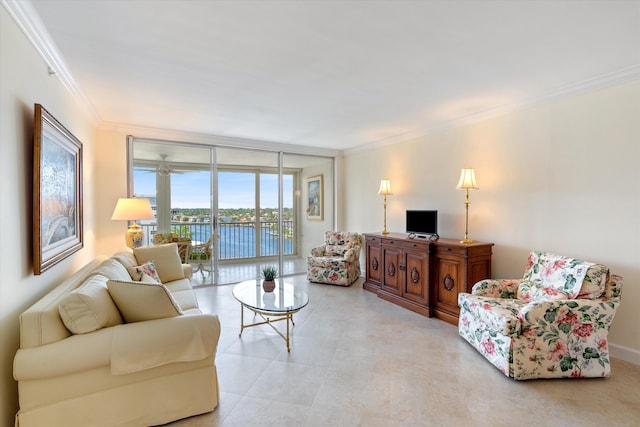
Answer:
(448, 282)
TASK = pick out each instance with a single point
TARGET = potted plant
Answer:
(269, 274)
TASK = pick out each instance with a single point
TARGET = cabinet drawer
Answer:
(404, 244)
(372, 239)
(451, 249)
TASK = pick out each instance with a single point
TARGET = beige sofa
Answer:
(140, 354)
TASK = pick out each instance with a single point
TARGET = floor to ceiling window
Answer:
(237, 209)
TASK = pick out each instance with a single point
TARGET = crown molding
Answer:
(602, 81)
(27, 19)
(170, 135)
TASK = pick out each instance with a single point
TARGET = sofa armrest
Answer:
(76, 353)
(188, 270)
(497, 288)
(126, 348)
(318, 251)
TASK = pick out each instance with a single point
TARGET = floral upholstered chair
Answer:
(337, 261)
(551, 323)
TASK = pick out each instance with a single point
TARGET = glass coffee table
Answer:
(280, 304)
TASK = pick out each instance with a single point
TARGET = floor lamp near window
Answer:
(467, 182)
(385, 190)
(133, 209)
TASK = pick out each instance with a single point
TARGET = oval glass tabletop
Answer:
(284, 298)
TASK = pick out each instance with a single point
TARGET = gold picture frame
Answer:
(315, 198)
(57, 192)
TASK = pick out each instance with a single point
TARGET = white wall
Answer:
(559, 177)
(313, 230)
(24, 81)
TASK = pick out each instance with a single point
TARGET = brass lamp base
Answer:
(467, 241)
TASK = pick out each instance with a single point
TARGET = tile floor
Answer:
(357, 360)
(234, 272)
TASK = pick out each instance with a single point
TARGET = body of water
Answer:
(239, 240)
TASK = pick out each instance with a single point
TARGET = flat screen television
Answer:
(422, 223)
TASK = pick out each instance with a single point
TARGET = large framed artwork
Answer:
(57, 192)
(315, 208)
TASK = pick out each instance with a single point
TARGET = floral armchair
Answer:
(337, 261)
(551, 323)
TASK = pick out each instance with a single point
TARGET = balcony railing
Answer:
(238, 240)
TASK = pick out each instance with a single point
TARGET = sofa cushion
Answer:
(556, 271)
(125, 257)
(89, 307)
(183, 294)
(166, 259)
(327, 262)
(140, 301)
(112, 269)
(147, 270)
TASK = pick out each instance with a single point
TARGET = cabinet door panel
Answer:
(449, 279)
(416, 287)
(374, 264)
(392, 274)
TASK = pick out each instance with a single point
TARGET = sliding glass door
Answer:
(237, 209)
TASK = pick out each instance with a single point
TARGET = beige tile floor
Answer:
(357, 360)
(234, 272)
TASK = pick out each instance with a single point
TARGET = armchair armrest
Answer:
(318, 251)
(352, 254)
(497, 288)
(569, 315)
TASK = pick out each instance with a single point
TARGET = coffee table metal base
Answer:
(268, 319)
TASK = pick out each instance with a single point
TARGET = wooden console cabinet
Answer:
(422, 275)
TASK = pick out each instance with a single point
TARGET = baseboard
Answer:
(625, 353)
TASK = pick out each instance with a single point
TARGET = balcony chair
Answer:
(552, 323)
(337, 261)
(201, 254)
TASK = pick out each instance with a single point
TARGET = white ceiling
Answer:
(334, 74)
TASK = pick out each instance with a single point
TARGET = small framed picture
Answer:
(57, 192)
(315, 202)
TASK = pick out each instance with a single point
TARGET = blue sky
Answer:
(191, 189)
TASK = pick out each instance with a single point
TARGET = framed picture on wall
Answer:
(315, 202)
(57, 192)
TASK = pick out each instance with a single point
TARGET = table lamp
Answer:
(385, 190)
(133, 209)
(467, 182)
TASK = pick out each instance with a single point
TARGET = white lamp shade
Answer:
(132, 209)
(467, 180)
(385, 188)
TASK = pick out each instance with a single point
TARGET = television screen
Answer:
(422, 222)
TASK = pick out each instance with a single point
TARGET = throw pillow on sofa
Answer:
(140, 301)
(89, 307)
(148, 269)
(166, 259)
